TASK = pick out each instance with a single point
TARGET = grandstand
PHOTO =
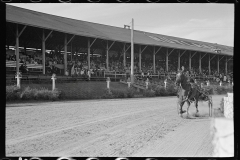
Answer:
(48, 44)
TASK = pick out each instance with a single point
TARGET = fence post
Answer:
(108, 83)
(147, 82)
(165, 82)
(18, 76)
(129, 82)
(53, 81)
(208, 83)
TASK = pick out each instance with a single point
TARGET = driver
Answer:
(183, 70)
(191, 81)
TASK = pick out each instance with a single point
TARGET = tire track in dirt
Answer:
(135, 127)
(55, 130)
(114, 133)
(37, 149)
(186, 141)
(19, 118)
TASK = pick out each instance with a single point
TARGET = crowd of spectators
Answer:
(79, 67)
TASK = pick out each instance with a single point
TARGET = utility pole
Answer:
(132, 55)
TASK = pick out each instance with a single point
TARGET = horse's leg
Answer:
(188, 103)
(196, 105)
(210, 105)
(180, 105)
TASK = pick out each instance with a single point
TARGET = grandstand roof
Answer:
(88, 29)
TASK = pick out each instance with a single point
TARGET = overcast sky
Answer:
(203, 22)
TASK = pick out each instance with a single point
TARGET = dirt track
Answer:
(133, 127)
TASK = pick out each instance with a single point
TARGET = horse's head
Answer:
(180, 78)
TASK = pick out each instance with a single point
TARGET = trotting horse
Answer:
(196, 95)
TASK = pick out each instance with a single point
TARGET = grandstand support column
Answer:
(210, 61)
(209, 64)
(17, 46)
(179, 59)
(132, 54)
(154, 60)
(167, 60)
(190, 59)
(71, 51)
(200, 63)
(140, 58)
(89, 48)
(88, 58)
(167, 55)
(25, 48)
(107, 55)
(17, 50)
(226, 64)
(44, 49)
(43, 52)
(65, 54)
(124, 55)
(218, 62)
(154, 52)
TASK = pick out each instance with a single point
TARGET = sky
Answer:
(212, 23)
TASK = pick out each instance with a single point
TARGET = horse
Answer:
(195, 96)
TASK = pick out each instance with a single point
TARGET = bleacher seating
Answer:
(11, 65)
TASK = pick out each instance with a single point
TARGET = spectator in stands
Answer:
(89, 74)
(82, 72)
(225, 78)
(182, 68)
(21, 60)
(220, 77)
(13, 58)
(23, 68)
(36, 62)
(72, 70)
(142, 74)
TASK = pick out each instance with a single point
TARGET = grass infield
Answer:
(80, 89)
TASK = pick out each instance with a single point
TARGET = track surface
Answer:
(145, 127)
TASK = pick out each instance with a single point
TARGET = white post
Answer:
(53, 81)
(208, 83)
(165, 82)
(108, 83)
(220, 83)
(18, 76)
(147, 83)
(129, 82)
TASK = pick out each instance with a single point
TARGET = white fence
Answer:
(228, 106)
(223, 137)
